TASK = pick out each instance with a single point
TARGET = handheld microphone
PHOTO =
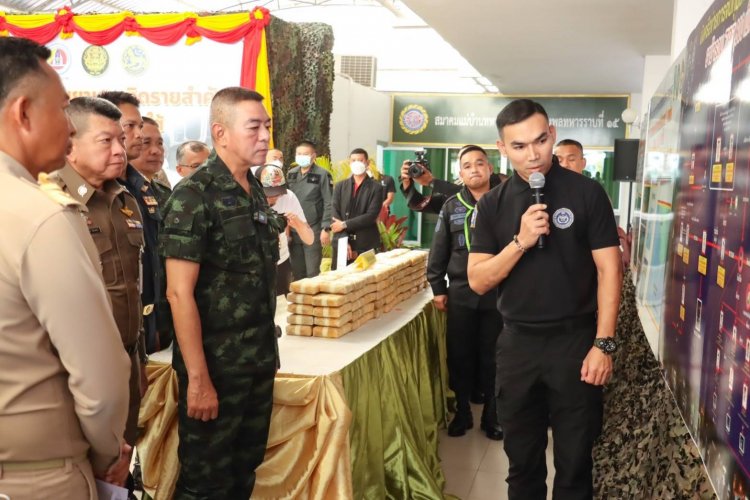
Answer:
(536, 183)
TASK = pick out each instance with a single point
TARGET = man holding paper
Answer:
(355, 208)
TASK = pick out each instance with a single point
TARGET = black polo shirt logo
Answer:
(563, 218)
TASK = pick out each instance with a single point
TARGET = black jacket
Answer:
(360, 213)
(449, 254)
(441, 191)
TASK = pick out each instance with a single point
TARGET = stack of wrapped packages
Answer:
(338, 302)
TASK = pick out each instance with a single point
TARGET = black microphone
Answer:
(536, 183)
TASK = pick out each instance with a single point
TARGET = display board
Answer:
(691, 239)
(454, 119)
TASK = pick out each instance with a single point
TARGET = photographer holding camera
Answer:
(418, 170)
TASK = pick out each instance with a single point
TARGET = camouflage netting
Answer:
(301, 64)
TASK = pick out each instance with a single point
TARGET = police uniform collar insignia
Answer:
(82, 190)
(144, 188)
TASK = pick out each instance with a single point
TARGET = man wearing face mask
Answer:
(356, 205)
(312, 185)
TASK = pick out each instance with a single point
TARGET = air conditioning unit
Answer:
(361, 69)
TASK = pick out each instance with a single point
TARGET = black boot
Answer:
(462, 422)
(489, 423)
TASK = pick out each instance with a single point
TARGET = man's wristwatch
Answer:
(608, 345)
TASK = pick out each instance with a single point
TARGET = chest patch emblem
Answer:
(563, 218)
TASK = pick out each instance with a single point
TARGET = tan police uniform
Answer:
(114, 223)
(63, 374)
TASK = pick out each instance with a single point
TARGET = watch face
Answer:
(608, 344)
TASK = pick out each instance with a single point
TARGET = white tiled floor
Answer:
(475, 467)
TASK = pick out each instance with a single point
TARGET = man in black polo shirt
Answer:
(559, 306)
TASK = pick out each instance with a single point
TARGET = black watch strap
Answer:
(608, 345)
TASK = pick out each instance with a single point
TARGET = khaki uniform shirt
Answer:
(114, 223)
(63, 374)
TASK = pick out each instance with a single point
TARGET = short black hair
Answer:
(360, 151)
(308, 143)
(82, 107)
(19, 57)
(468, 149)
(118, 97)
(570, 142)
(225, 100)
(516, 112)
(150, 121)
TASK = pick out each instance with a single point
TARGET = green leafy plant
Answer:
(392, 230)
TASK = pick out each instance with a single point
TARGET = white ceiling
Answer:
(554, 46)
(521, 46)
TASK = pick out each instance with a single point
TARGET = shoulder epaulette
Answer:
(52, 189)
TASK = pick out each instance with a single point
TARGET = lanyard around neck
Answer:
(469, 212)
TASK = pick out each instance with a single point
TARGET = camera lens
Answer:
(415, 170)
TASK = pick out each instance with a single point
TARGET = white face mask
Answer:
(278, 163)
(303, 160)
(358, 167)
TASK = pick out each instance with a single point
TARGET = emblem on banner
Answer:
(563, 218)
(59, 58)
(413, 119)
(95, 60)
(134, 60)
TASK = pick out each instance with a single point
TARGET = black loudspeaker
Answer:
(626, 159)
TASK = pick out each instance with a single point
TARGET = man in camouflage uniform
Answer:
(313, 187)
(220, 239)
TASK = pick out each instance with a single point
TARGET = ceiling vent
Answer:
(361, 69)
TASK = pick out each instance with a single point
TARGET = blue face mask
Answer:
(303, 160)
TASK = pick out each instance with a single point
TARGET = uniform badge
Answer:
(313, 179)
(144, 188)
(229, 201)
(563, 218)
(126, 211)
(82, 190)
(134, 224)
(150, 200)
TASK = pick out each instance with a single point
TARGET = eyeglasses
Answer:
(193, 166)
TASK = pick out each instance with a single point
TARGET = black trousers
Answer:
(471, 334)
(539, 384)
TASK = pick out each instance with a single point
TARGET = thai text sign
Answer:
(453, 119)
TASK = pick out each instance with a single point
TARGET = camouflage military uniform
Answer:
(162, 191)
(233, 235)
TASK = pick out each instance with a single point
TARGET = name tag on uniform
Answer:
(134, 224)
(229, 201)
(313, 178)
(261, 217)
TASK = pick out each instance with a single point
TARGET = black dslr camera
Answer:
(418, 166)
